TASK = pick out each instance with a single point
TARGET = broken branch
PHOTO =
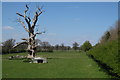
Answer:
(19, 14)
(18, 44)
(39, 33)
(24, 39)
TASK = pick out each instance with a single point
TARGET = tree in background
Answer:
(45, 45)
(38, 42)
(7, 46)
(75, 45)
(105, 37)
(115, 31)
(31, 24)
(86, 46)
(112, 34)
(56, 47)
(68, 47)
(62, 46)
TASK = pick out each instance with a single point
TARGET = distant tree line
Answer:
(7, 46)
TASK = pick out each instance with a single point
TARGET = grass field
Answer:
(61, 64)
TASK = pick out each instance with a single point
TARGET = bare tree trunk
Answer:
(31, 46)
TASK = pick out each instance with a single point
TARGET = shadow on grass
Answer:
(28, 60)
(104, 67)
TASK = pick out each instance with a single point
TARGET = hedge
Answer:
(108, 54)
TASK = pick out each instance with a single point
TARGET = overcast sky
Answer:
(64, 22)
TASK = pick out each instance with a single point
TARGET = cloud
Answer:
(8, 28)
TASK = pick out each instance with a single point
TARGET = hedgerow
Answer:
(108, 54)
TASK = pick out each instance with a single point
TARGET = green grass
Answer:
(67, 64)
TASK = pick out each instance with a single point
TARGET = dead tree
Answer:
(30, 30)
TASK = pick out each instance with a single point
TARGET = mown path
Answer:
(67, 64)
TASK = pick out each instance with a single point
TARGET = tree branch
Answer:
(25, 39)
(26, 11)
(37, 13)
(39, 33)
(19, 14)
(18, 44)
(19, 20)
(27, 19)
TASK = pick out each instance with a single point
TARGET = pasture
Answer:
(61, 64)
